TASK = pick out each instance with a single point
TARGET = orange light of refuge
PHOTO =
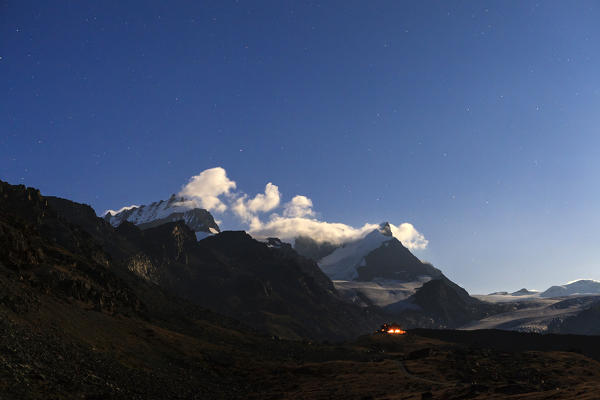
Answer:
(396, 331)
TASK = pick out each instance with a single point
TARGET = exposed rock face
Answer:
(394, 261)
(141, 265)
(277, 243)
(176, 208)
(45, 250)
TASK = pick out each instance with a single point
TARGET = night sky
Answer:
(477, 122)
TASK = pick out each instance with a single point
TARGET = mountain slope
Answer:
(273, 289)
(394, 261)
(449, 304)
(586, 322)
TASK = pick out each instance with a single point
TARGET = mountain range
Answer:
(377, 273)
(579, 287)
(89, 310)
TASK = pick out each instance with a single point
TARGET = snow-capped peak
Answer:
(385, 229)
(342, 264)
(142, 214)
(581, 286)
(160, 212)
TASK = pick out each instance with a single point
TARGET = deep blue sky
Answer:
(478, 122)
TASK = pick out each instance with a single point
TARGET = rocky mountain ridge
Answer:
(176, 208)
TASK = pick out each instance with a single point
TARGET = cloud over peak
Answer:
(264, 215)
(205, 188)
(409, 236)
(247, 208)
(299, 207)
(289, 228)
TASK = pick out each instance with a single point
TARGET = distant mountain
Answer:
(583, 286)
(198, 220)
(379, 270)
(524, 292)
(508, 295)
(378, 255)
(449, 304)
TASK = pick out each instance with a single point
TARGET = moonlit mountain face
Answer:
(344, 262)
(379, 255)
(175, 209)
(377, 270)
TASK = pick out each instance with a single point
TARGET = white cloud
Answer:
(267, 201)
(409, 236)
(214, 191)
(204, 189)
(288, 228)
(247, 209)
(298, 207)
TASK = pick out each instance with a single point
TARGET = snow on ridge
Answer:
(579, 287)
(581, 280)
(176, 208)
(146, 213)
(342, 264)
(120, 210)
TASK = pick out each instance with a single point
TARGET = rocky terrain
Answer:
(88, 311)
